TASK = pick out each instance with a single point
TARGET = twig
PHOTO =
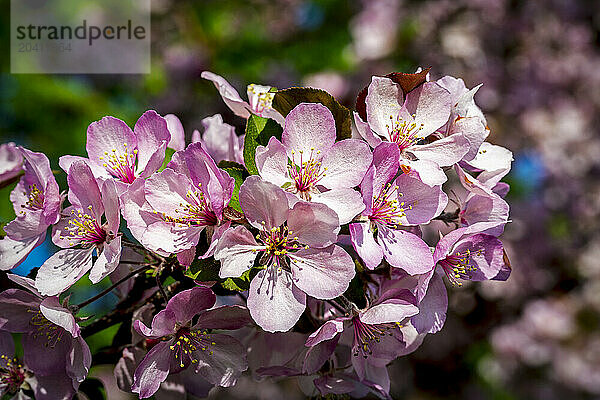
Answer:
(114, 285)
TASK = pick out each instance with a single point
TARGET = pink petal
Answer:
(265, 205)
(431, 104)
(151, 131)
(62, 270)
(322, 273)
(230, 96)
(153, 370)
(432, 308)
(406, 251)
(365, 245)
(219, 138)
(389, 312)
(163, 324)
(327, 331)
(383, 101)
(421, 202)
(14, 252)
(314, 224)
(107, 261)
(365, 131)
(54, 312)
(444, 152)
(189, 303)
(237, 251)
(309, 128)
(175, 128)
(84, 190)
(347, 203)
(272, 162)
(105, 135)
(345, 164)
(224, 317)
(275, 303)
(474, 130)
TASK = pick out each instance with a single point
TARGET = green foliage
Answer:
(238, 284)
(204, 270)
(168, 154)
(239, 173)
(285, 100)
(258, 132)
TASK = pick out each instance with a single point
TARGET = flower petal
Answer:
(105, 135)
(432, 308)
(189, 303)
(345, 164)
(365, 131)
(175, 128)
(107, 261)
(327, 331)
(346, 202)
(444, 152)
(14, 252)
(223, 361)
(84, 190)
(405, 250)
(237, 251)
(309, 128)
(230, 96)
(384, 100)
(422, 203)
(431, 104)
(54, 312)
(224, 317)
(163, 324)
(265, 205)
(389, 312)
(322, 273)
(151, 131)
(152, 371)
(272, 162)
(313, 224)
(62, 270)
(365, 245)
(275, 303)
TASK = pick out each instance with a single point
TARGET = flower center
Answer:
(85, 228)
(387, 209)
(35, 199)
(120, 165)
(44, 328)
(403, 132)
(366, 335)
(195, 212)
(458, 266)
(187, 342)
(278, 243)
(306, 173)
(264, 100)
(12, 374)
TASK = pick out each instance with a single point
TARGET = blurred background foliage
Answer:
(533, 337)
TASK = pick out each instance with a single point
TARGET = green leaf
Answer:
(168, 154)
(239, 173)
(356, 292)
(238, 284)
(204, 270)
(258, 132)
(285, 100)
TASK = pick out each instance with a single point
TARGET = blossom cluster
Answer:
(301, 249)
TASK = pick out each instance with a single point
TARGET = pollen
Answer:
(403, 132)
(121, 163)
